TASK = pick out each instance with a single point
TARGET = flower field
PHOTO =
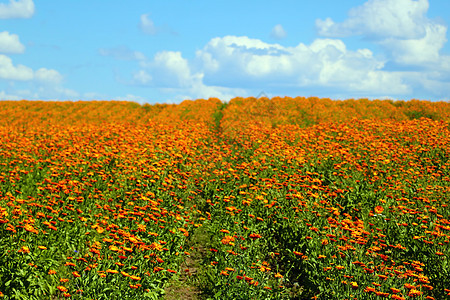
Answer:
(283, 198)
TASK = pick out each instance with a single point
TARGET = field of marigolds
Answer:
(282, 198)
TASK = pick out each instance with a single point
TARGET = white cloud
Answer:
(9, 43)
(168, 69)
(249, 63)
(233, 66)
(147, 25)
(11, 72)
(278, 32)
(48, 76)
(400, 26)
(17, 9)
(419, 51)
(402, 19)
(237, 65)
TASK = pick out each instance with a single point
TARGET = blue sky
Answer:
(169, 51)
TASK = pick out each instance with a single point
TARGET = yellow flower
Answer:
(24, 249)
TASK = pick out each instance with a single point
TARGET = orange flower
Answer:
(24, 249)
(125, 274)
(414, 293)
(76, 274)
(379, 209)
(228, 240)
(255, 236)
(62, 288)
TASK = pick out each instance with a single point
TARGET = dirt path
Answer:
(186, 285)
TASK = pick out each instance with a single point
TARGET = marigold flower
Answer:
(414, 293)
(378, 209)
(113, 248)
(76, 274)
(62, 288)
(255, 236)
(24, 249)
(125, 274)
(228, 240)
(42, 247)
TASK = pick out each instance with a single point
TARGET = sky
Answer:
(173, 50)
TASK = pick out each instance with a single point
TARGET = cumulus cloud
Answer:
(232, 66)
(172, 74)
(278, 32)
(48, 76)
(403, 19)
(420, 51)
(9, 43)
(122, 53)
(11, 72)
(17, 9)
(250, 63)
(400, 26)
